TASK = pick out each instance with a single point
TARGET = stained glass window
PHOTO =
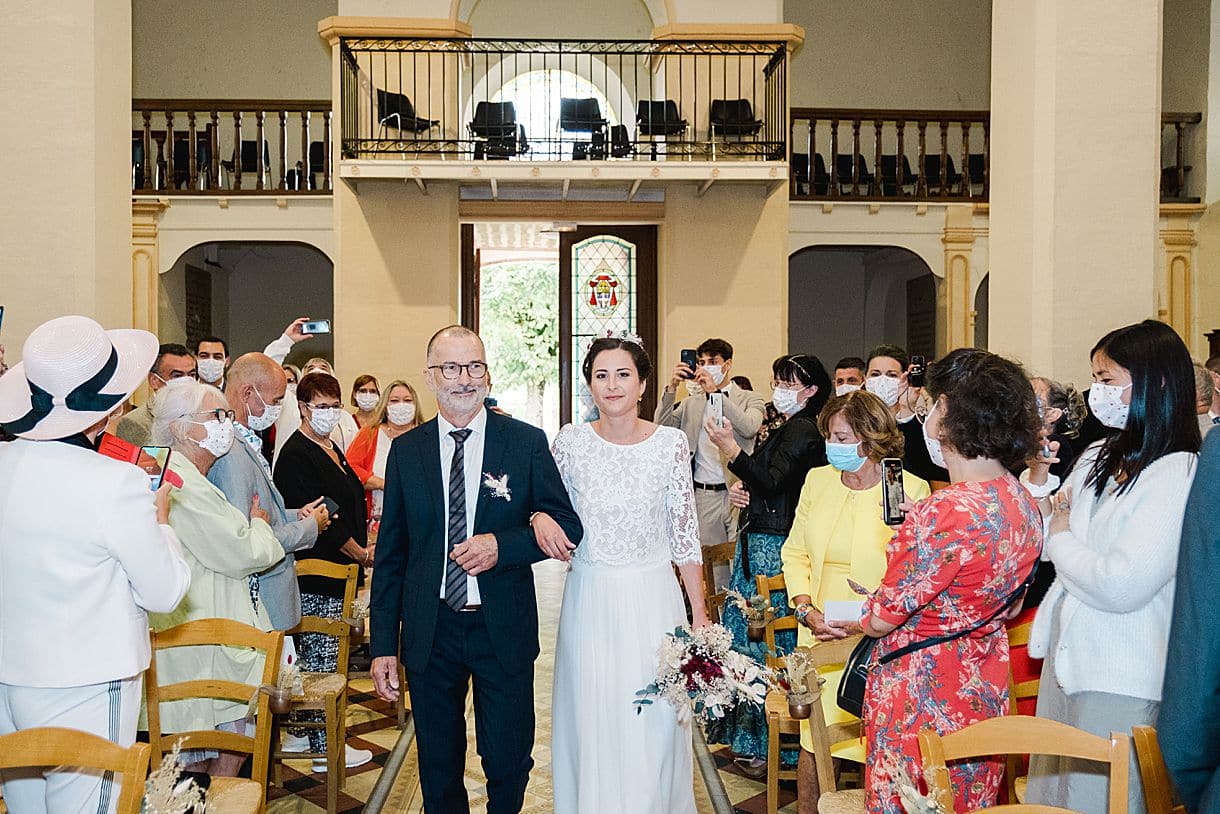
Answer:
(603, 300)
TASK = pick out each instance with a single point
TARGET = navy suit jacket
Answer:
(1189, 721)
(412, 544)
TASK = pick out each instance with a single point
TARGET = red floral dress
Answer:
(955, 561)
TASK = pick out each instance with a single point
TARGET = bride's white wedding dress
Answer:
(637, 506)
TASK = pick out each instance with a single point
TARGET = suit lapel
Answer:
(430, 462)
(493, 458)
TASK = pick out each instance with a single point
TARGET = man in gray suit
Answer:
(172, 362)
(254, 388)
(745, 411)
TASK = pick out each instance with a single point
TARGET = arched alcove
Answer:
(981, 312)
(843, 300)
(246, 293)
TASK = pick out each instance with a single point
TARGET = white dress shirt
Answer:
(708, 467)
(473, 449)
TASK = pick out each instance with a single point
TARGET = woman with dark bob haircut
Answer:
(956, 568)
(1114, 533)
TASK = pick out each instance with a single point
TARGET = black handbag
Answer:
(850, 696)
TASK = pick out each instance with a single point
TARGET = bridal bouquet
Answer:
(700, 667)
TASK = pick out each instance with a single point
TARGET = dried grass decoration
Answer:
(166, 793)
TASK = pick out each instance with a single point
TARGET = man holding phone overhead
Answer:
(711, 393)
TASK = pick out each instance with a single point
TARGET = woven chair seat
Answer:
(234, 795)
(318, 685)
(848, 801)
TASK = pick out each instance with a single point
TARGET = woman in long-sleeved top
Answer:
(768, 492)
(1114, 534)
(223, 549)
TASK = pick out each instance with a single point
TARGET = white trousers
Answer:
(110, 710)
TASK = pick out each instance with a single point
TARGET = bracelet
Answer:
(802, 612)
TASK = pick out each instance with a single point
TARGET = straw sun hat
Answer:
(72, 374)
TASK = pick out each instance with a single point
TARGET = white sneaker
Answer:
(351, 759)
(294, 743)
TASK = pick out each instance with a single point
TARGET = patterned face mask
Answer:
(1106, 402)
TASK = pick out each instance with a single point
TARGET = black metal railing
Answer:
(214, 147)
(558, 100)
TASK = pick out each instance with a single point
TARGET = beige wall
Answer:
(621, 19)
(230, 49)
(65, 241)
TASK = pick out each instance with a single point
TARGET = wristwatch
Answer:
(802, 612)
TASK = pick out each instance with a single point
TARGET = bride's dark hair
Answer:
(639, 356)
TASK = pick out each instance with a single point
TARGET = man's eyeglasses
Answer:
(219, 415)
(451, 370)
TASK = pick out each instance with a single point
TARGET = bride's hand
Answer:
(551, 538)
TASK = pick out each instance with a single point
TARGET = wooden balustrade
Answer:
(935, 176)
(190, 161)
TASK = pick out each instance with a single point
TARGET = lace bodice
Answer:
(636, 502)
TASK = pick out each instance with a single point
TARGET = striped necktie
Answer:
(455, 575)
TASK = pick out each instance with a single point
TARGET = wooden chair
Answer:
(1015, 779)
(56, 747)
(827, 739)
(324, 692)
(1022, 734)
(720, 554)
(1158, 788)
(215, 632)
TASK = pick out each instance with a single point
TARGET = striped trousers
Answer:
(110, 710)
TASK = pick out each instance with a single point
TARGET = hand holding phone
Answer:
(691, 360)
(317, 326)
(715, 404)
(332, 508)
(917, 372)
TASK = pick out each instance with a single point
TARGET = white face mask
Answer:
(785, 400)
(844, 389)
(271, 414)
(935, 451)
(210, 370)
(1106, 402)
(716, 372)
(400, 413)
(884, 388)
(367, 401)
(219, 438)
(693, 388)
(324, 419)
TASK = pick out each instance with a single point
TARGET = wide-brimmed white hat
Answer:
(72, 374)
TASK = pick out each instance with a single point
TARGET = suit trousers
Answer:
(109, 710)
(717, 524)
(503, 715)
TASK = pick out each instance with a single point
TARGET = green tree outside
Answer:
(519, 322)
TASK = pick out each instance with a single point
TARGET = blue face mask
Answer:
(845, 457)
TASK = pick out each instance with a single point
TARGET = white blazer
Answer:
(81, 559)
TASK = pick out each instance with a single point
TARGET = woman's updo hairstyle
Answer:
(639, 356)
(1068, 399)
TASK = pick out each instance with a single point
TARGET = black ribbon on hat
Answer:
(84, 398)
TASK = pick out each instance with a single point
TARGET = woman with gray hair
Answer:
(223, 550)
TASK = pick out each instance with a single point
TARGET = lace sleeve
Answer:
(683, 520)
(561, 451)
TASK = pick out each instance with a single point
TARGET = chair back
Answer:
(1022, 734)
(59, 747)
(338, 628)
(394, 105)
(732, 111)
(659, 118)
(844, 164)
(976, 167)
(931, 170)
(713, 598)
(249, 156)
(1154, 774)
(821, 656)
(580, 115)
(765, 586)
(494, 120)
(214, 632)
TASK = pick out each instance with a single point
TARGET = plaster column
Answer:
(65, 77)
(145, 262)
(1075, 165)
(957, 287)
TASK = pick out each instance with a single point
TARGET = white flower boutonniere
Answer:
(498, 486)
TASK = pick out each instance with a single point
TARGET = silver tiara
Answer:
(623, 336)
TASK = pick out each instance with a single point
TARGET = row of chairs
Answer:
(323, 692)
(819, 184)
(1013, 735)
(501, 135)
(248, 158)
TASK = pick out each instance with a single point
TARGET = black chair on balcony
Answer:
(931, 172)
(500, 135)
(843, 165)
(395, 110)
(732, 118)
(658, 120)
(584, 116)
(800, 171)
(976, 170)
(889, 176)
(203, 161)
(137, 162)
(249, 163)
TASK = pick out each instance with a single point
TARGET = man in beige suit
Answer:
(745, 411)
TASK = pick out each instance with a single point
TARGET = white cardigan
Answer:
(1115, 569)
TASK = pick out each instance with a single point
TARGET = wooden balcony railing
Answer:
(215, 146)
(867, 155)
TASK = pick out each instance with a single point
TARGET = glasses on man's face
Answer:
(452, 370)
(219, 415)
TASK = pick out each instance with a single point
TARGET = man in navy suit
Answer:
(453, 567)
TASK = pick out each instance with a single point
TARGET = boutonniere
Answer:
(498, 486)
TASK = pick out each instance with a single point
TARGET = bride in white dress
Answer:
(630, 482)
